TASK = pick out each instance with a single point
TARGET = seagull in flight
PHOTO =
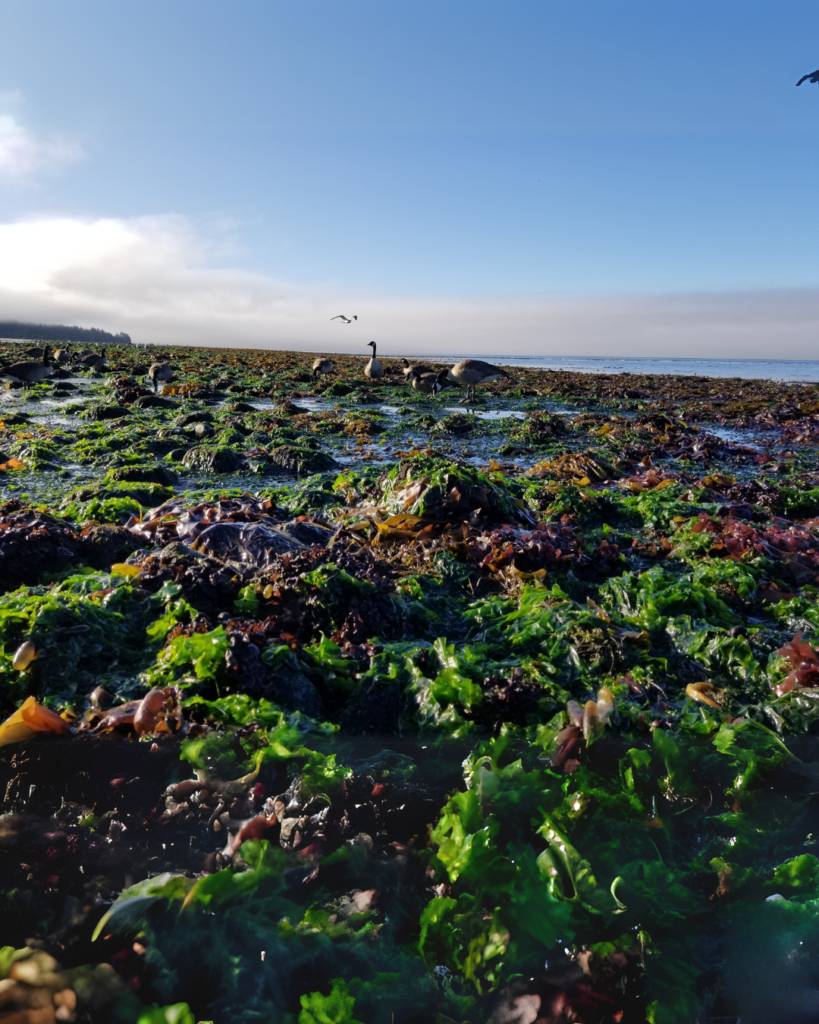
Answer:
(343, 318)
(813, 77)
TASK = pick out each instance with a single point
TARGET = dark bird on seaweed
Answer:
(424, 380)
(415, 368)
(321, 366)
(344, 319)
(28, 372)
(92, 359)
(373, 368)
(35, 353)
(160, 372)
(471, 372)
(813, 78)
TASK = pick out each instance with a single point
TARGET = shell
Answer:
(149, 712)
(591, 719)
(699, 692)
(605, 703)
(575, 713)
(24, 655)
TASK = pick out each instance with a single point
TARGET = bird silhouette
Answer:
(813, 77)
(344, 319)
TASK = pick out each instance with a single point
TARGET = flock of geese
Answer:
(41, 365)
(468, 373)
(43, 361)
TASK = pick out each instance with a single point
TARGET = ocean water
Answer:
(804, 371)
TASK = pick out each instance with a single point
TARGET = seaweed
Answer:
(353, 721)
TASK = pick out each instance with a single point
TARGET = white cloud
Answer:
(24, 155)
(10, 97)
(148, 277)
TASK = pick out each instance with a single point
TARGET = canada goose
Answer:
(62, 355)
(35, 353)
(427, 383)
(158, 372)
(28, 372)
(321, 366)
(472, 372)
(92, 359)
(813, 77)
(410, 368)
(373, 369)
(344, 319)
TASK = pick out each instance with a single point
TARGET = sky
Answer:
(535, 178)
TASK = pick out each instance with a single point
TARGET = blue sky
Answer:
(437, 164)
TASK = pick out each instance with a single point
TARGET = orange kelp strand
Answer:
(29, 719)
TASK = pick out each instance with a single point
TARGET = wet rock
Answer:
(212, 460)
(32, 544)
(201, 430)
(178, 553)
(307, 533)
(338, 389)
(240, 407)
(154, 402)
(301, 461)
(105, 412)
(103, 546)
(193, 417)
(155, 474)
(251, 543)
(457, 423)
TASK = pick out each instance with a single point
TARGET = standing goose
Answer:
(29, 372)
(321, 366)
(62, 355)
(158, 372)
(472, 372)
(373, 370)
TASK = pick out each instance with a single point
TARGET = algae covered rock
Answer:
(104, 412)
(212, 460)
(153, 402)
(457, 423)
(301, 461)
(152, 474)
(437, 489)
(103, 546)
(338, 389)
(32, 543)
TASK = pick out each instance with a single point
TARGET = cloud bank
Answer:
(147, 276)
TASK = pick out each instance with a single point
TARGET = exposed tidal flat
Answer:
(326, 700)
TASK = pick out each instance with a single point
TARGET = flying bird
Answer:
(813, 77)
(344, 319)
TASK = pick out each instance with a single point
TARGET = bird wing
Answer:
(813, 76)
(340, 316)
